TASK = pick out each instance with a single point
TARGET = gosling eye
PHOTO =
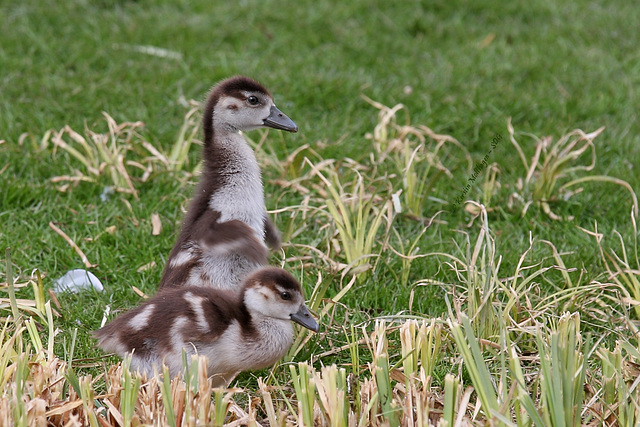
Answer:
(253, 100)
(285, 295)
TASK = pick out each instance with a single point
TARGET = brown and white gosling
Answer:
(251, 329)
(226, 230)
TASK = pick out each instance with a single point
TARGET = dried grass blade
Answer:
(12, 291)
(511, 131)
(60, 410)
(75, 247)
(156, 224)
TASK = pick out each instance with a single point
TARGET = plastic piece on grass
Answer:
(76, 281)
(106, 193)
(105, 315)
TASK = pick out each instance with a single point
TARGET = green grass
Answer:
(460, 68)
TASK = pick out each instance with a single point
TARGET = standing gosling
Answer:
(215, 247)
(237, 331)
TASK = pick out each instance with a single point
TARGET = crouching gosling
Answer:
(236, 331)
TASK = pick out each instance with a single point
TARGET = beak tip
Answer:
(312, 326)
(303, 317)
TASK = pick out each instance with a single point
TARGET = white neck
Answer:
(241, 196)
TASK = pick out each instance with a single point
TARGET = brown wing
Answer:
(207, 234)
(182, 315)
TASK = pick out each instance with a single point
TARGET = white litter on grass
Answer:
(77, 280)
(150, 50)
(105, 315)
(106, 193)
(395, 198)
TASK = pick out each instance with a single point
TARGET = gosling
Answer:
(241, 331)
(214, 247)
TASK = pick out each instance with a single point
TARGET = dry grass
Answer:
(554, 163)
(420, 156)
(121, 154)
(392, 389)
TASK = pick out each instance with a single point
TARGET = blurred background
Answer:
(461, 67)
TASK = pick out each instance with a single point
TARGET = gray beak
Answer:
(279, 120)
(304, 318)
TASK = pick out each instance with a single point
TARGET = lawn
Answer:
(535, 249)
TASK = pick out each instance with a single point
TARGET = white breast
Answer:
(222, 271)
(233, 353)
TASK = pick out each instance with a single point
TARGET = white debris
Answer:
(395, 198)
(106, 193)
(105, 315)
(150, 50)
(76, 281)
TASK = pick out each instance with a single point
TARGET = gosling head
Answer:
(242, 104)
(274, 293)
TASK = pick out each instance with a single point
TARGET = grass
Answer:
(459, 71)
